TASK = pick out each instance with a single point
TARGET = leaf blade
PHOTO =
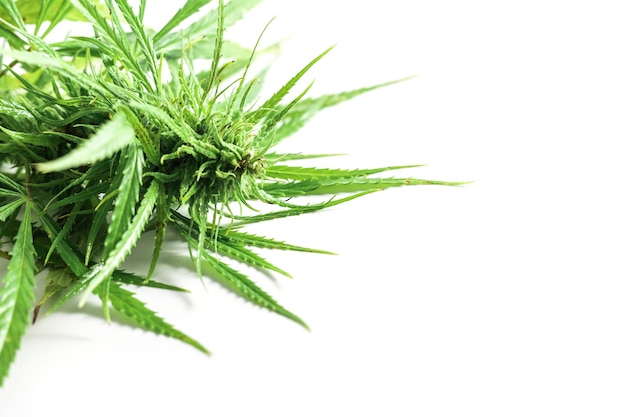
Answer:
(9, 208)
(270, 105)
(129, 176)
(189, 8)
(238, 282)
(17, 294)
(109, 139)
(126, 303)
(128, 240)
(306, 173)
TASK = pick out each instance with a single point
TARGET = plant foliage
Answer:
(105, 137)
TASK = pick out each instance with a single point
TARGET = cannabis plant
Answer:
(105, 137)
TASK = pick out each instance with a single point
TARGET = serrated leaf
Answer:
(35, 139)
(128, 278)
(85, 194)
(115, 42)
(276, 157)
(126, 303)
(270, 105)
(238, 282)
(17, 294)
(147, 142)
(246, 256)
(217, 50)
(109, 139)
(97, 170)
(127, 181)
(127, 241)
(189, 8)
(245, 239)
(12, 185)
(234, 11)
(160, 116)
(304, 111)
(7, 209)
(301, 173)
(268, 243)
(58, 66)
(242, 285)
(161, 218)
(108, 97)
(273, 119)
(66, 250)
(344, 185)
(142, 40)
(64, 231)
(296, 211)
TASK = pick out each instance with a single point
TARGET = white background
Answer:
(505, 297)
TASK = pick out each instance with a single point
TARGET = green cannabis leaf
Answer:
(103, 138)
(17, 293)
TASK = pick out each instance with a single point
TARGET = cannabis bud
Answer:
(106, 137)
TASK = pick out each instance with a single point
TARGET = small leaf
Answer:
(248, 257)
(58, 66)
(345, 185)
(7, 209)
(9, 9)
(127, 183)
(297, 156)
(125, 302)
(162, 216)
(64, 231)
(57, 280)
(270, 105)
(128, 278)
(97, 230)
(268, 243)
(144, 138)
(127, 241)
(304, 111)
(66, 250)
(299, 173)
(143, 41)
(234, 11)
(190, 7)
(298, 210)
(243, 286)
(11, 184)
(237, 282)
(242, 238)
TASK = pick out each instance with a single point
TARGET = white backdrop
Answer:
(501, 298)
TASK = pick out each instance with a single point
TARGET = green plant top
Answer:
(103, 138)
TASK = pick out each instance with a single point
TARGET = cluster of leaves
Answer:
(103, 138)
